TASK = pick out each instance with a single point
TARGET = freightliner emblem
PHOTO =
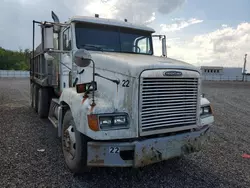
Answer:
(172, 73)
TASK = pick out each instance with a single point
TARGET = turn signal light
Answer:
(86, 87)
(93, 122)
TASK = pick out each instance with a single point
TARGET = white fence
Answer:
(26, 74)
(14, 74)
(224, 78)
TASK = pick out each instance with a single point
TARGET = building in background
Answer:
(222, 73)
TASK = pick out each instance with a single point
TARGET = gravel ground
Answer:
(220, 164)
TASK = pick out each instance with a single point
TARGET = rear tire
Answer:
(43, 103)
(74, 146)
(31, 95)
(35, 96)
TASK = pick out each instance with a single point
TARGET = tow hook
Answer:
(158, 154)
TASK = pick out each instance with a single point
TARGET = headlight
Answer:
(120, 120)
(113, 121)
(206, 110)
(105, 121)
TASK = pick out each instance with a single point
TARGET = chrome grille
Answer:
(168, 103)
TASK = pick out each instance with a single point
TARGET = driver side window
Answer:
(67, 39)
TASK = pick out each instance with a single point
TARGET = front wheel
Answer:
(74, 145)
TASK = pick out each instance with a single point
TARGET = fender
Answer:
(75, 103)
(81, 107)
(207, 120)
(204, 101)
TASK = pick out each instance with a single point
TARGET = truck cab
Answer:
(113, 102)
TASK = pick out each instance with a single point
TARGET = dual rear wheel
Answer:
(40, 100)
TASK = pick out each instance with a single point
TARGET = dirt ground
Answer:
(220, 164)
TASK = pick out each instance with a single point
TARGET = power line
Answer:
(244, 67)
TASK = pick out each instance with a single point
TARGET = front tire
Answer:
(74, 145)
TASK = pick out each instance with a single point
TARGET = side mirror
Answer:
(48, 37)
(164, 44)
(82, 58)
(164, 47)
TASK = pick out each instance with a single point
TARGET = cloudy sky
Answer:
(200, 32)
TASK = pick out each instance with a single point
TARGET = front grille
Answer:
(168, 103)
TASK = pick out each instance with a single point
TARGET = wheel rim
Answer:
(69, 142)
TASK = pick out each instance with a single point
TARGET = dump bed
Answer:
(44, 67)
(44, 72)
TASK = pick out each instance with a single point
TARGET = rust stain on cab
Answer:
(96, 147)
(84, 99)
(92, 108)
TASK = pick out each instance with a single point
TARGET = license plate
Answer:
(114, 150)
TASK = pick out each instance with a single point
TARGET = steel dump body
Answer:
(43, 72)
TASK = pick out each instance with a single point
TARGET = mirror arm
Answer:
(66, 66)
(81, 71)
(75, 82)
(115, 81)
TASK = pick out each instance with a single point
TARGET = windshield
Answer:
(113, 39)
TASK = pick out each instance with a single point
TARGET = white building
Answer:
(222, 73)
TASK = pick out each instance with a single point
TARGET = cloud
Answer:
(179, 24)
(152, 19)
(16, 15)
(142, 10)
(223, 47)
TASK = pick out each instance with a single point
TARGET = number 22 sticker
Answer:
(114, 150)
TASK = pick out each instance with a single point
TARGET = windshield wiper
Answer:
(91, 46)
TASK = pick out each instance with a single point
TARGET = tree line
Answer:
(14, 60)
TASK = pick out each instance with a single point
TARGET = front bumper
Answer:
(145, 152)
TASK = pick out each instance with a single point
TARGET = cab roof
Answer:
(111, 22)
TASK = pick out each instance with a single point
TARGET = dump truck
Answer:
(112, 101)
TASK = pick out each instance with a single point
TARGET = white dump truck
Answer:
(113, 102)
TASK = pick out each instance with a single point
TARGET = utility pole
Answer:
(244, 67)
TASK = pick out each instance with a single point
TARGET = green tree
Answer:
(14, 60)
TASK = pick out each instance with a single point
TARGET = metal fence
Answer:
(26, 74)
(225, 78)
(14, 74)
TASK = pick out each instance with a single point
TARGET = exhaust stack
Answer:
(55, 17)
(56, 28)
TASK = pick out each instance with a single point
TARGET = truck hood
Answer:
(133, 64)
